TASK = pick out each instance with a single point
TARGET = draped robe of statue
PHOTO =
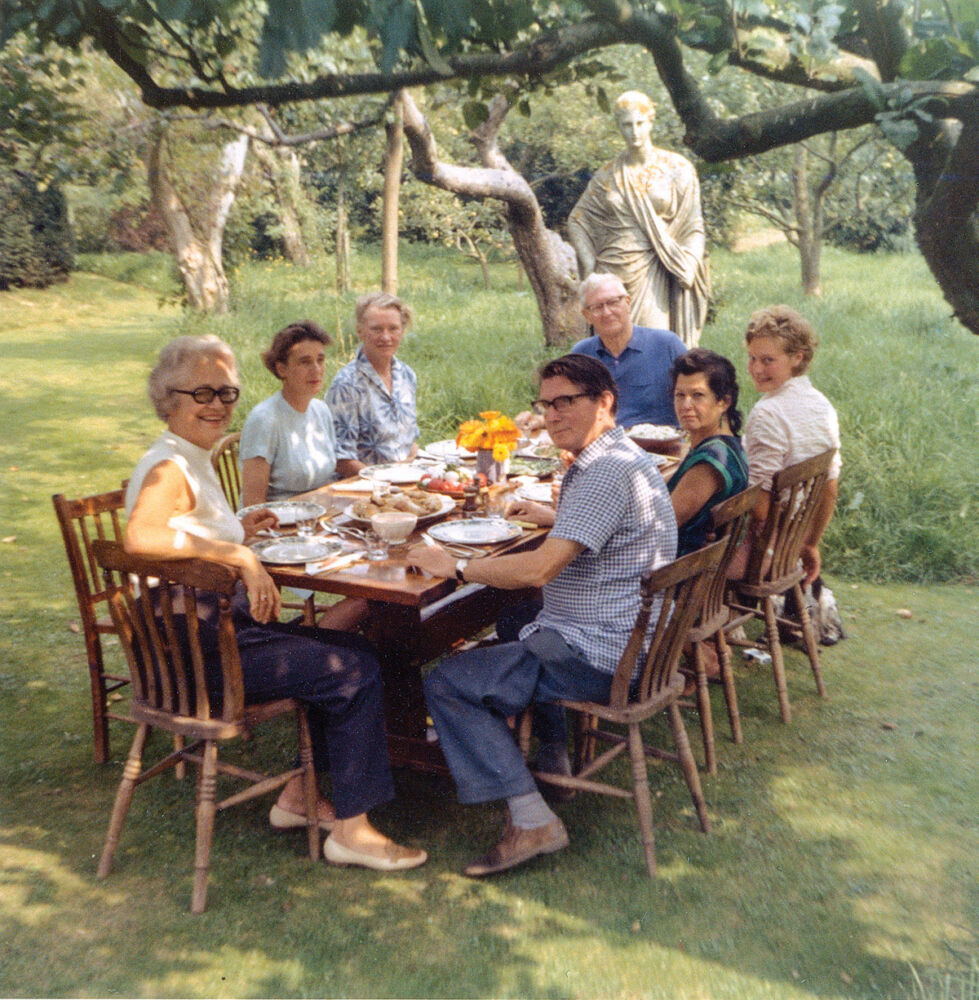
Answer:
(643, 222)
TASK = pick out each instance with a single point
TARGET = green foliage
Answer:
(36, 247)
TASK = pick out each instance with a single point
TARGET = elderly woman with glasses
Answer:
(177, 510)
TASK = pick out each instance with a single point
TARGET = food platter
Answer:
(660, 438)
(475, 531)
(295, 549)
(396, 472)
(537, 492)
(287, 512)
(524, 465)
(446, 504)
(449, 451)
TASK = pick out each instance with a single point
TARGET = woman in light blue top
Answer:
(288, 444)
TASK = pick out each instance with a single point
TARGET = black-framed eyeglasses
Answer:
(561, 404)
(205, 393)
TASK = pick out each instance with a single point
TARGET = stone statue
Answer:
(640, 218)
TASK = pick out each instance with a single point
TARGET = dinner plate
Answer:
(521, 465)
(475, 531)
(288, 511)
(448, 450)
(538, 492)
(396, 472)
(447, 504)
(295, 549)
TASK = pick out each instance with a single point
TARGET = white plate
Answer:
(475, 531)
(394, 473)
(295, 549)
(287, 511)
(448, 450)
(538, 492)
(655, 432)
(447, 504)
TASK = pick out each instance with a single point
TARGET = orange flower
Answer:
(493, 431)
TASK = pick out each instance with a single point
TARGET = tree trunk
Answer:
(946, 218)
(475, 253)
(342, 248)
(809, 241)
(280, 168)
(549, 262)
(198, 253)
(393, 161)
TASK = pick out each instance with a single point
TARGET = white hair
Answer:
(176, 358)
(598, 279)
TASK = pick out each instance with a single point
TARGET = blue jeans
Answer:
(471, 695)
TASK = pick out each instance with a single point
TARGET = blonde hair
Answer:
(635, 99)
(175, 359)
(791, 329)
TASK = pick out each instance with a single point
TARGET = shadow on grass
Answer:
(808, 885)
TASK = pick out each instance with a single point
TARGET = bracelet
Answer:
(461, 565)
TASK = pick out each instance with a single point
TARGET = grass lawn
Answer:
(845, 852)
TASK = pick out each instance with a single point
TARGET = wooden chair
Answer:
(168, 669)
(774, 566)
(682, 586)
(730, 520)
(224, 458)
(83, 521)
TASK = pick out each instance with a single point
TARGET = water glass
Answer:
(305, 525)
(375, 546)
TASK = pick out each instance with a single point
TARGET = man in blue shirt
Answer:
(638, 358)
(613, 521)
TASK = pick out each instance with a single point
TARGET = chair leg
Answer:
(643, 800)
(703, 709)
(584, 740)
(809, 637)
(206, 809)
(100, 719)
(778, 661)
(309, 782)
(124, 797)
(730, 691)
(688, 765)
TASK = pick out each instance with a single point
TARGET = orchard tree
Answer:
(912, 71)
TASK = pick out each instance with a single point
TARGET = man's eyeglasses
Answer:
(205, 394)
(561, 404)
(598, 307)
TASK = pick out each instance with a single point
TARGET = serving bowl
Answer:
(394, 526)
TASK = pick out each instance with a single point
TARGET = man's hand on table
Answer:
(532, 512)
(434, 560)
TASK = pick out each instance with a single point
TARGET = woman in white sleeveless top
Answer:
(177, 510)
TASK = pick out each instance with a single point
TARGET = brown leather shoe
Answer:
(517, 846)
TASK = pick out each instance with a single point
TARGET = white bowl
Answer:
(394, 525)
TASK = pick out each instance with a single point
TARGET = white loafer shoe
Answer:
(282, 819)
(395, 858)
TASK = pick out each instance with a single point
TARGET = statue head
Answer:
(634, 114)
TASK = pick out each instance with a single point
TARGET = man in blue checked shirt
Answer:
(613, 521)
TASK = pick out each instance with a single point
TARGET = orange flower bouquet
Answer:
(492, 432)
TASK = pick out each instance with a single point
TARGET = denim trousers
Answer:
(336, 675)
(471, 695)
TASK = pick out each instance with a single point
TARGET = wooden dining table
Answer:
(412, 619)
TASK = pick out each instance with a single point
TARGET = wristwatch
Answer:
(461, 565)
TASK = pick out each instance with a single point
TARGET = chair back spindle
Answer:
(224, 458)
(680, 587)
(84, 521)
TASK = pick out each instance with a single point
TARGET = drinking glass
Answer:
(375, 546)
